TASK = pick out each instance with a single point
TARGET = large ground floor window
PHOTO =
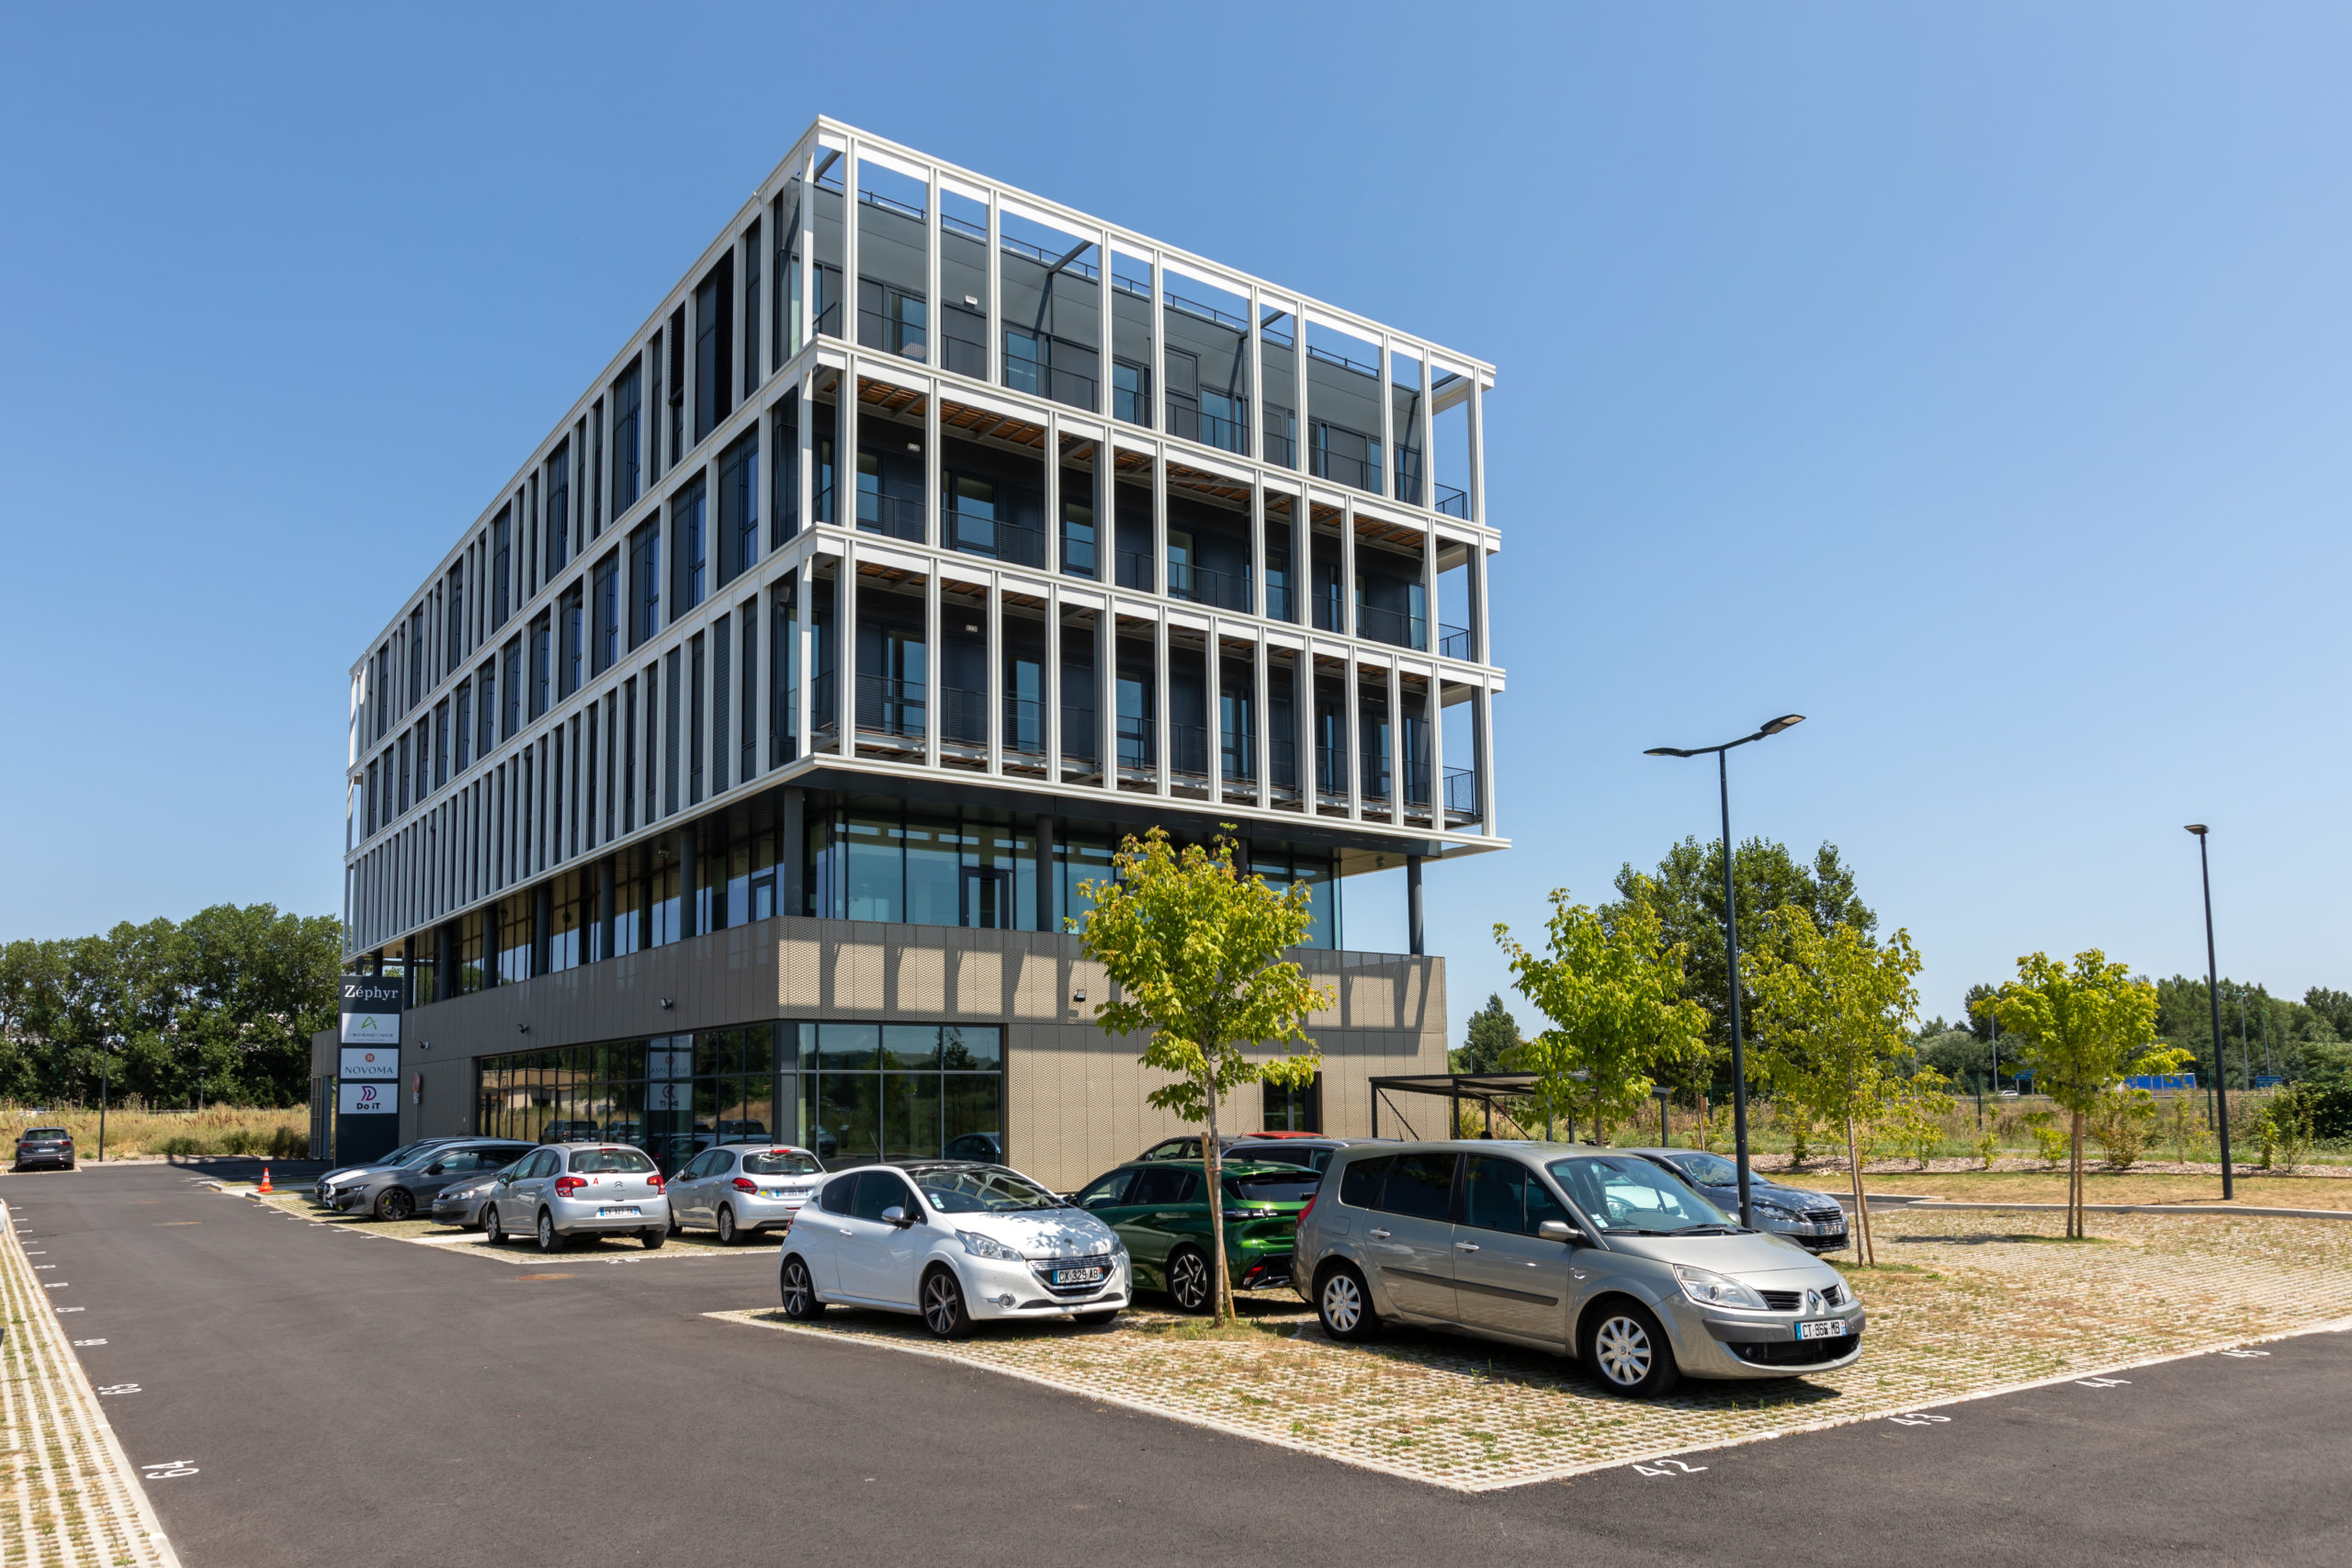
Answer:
(853, 1093)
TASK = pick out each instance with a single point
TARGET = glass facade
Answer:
(853, 1093)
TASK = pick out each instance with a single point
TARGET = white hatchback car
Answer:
(564, 1190)
(957, 1242)
(740, 1190)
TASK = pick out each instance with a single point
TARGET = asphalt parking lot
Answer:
(301, 1393)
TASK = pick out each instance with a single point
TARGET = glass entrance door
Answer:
(987, 897)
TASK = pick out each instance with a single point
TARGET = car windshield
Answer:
(781, 1162)
(45, 1133)
(1273, 1187)
(625, 1162)
(984, 1189)
(1631, 1196)
(1708, 1170)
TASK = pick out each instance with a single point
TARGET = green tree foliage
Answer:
(221, 1005)
(1195, 953)
(1610, 984)
(1832, 1016)
(1492, 1036)
(1958, 1055)
(2082, 1030)
(2260, 1033)
(2334, 1007)
(1686, 893)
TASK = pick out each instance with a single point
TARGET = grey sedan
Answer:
(564, 1190)
(740, 1190)
(1598, 1254)
(1813, 1220)
(396, 1192)
(461, 1205)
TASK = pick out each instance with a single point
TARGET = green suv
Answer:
(1161, 1210)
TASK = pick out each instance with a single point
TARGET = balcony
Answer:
(892, 334)
(1188, 747)
(891, 716)
(1201, 585)
(1456, 642)
(1392, 627)
(1134, 568)
(1453, 503)
(893, 516)
(978, 534)
(1209, 429)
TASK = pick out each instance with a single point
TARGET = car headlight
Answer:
(1710, 1289)
(980, 1245)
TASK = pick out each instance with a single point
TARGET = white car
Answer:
(740, 1190)
(564, 1190)
(957, 1242)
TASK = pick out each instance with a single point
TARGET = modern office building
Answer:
(703, 783)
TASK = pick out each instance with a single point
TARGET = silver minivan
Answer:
(1603, 1256)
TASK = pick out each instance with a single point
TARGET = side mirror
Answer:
(432, 1170)
(1559, 1230)
(895, 1215)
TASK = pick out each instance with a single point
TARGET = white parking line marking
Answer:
(58, 1285)
(165, 1469)
(2243, 1355)
(119, 1388)
(1919, 1418)
(2102, 1382)
(89, 1342)
(1667, 1467)
(71, 1309)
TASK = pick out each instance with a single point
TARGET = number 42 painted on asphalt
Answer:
(1668, 1467)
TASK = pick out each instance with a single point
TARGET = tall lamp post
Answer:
(2213, 995)
(106, 1055)
(1731, 943)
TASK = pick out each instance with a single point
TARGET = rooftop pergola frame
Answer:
(1502, 1096)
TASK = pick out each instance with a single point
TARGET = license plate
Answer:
(1078, 1276)
(776, 1192)
(616, 1211)
(1834, 1329)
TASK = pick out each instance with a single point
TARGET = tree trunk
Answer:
(1213, 1164)
(1865, 1251)
(2075, 1185)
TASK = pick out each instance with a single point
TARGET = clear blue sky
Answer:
(1973, 380)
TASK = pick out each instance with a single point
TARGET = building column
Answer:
(992, 684)
(1398, 778)
(1162, 729)
(1413, 905)
(792, 853)
(1046, 879)
(689, 883)
(542, 926)
(606, 896)
(1106, 688)
(934, 697)
(845, 640)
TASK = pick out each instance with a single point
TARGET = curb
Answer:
(1932, 1204)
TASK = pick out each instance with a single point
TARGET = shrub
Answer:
(2284, 1128)
(2190, 1139)
(2329, 1109)
(1988, 1148)
(2122, 1121)
(2049, 1139)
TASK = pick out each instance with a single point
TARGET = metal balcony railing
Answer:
(1358, 473)
(1456, 642)
(893, 516)
(875, 328)
(1461, 795)
(976, 533)
(1209, 429)
(1203, 585)
(1392, 627)
(1453, 503)
(962, 718)
(890, 708)
(964, 357)
(1134, 568)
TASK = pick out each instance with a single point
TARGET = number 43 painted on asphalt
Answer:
(1668, 1467)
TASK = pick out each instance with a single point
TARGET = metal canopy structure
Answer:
(1503, 1096)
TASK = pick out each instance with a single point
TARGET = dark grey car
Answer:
(1813, 1220)
(397, 1192)
(1314, 1154)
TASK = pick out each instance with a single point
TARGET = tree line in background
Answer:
(218, 1008)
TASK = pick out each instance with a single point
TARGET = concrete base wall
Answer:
(1074, 1095)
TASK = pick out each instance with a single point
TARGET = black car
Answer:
(1813, 1220)
(44, 1145)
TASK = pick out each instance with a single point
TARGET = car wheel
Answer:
(652, 1237)
(493, 1232)
(728, 1235)
(548, 1240)
(1190, 1283)
(800, 1292)
(395, 1204)
(1345, 1305)
(675, 1226)
(943, 1306)
(1627, 1351)
(1094, 1319)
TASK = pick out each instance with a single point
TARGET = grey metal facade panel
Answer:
(1075, 1096)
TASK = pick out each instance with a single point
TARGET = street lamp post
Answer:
(106, 1055)
(1731, 944)
(2214, 996)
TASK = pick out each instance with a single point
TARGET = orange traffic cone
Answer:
(265, 1186)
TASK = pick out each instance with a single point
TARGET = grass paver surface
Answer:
(431, 1232)
(1962, 1305)
(68, 1497)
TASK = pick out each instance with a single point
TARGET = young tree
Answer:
(1832, 1015)
(2080, 1032)
(1492, 1036)
(1193, 950)
(1610, 987)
